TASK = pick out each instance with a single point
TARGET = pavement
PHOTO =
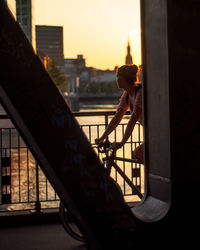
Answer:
(35, 231)
(38, 237)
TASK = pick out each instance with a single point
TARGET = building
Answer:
(82, 76)
(105, 76)
(25, 17)
(74, 66)
(12, 6)
(128, 59)
(77, 67)
(49, 42)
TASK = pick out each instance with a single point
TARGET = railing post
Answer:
(37, 203)
(106, 121)
(106, 124)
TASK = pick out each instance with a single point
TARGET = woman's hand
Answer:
(116, 145)
(98, 140)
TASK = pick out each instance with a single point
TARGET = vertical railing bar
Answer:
(37, 204)
(3, 189)
(46, 186)
(115, 139)
(5, 170)
(139, 164)
(1, 152)
(124, 184)
(10, 143)
(139, 139)
(106, 122)
(55, 195)
(132, 165)
(135, 183)
(19, 159)
(97, 131)
(115, 135)
(90, 133)
(27, 160)
(139, 179)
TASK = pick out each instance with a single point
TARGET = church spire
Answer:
(129, 59)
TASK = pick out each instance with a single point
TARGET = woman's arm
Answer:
(131, 125)
(121, 110)
(113, 123)
(137, 111)
(129, 129)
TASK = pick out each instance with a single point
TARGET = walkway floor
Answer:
(27, 230)
(38, 237)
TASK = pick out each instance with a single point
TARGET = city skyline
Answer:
(98, 30)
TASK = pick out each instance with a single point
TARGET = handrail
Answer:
(80, 114)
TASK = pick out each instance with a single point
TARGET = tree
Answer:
(57, 75)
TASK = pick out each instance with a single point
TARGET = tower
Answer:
(129, 59)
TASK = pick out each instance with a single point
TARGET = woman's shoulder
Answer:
(138, 89)
(138, 97)
(124, 94)
(123, 101)
(138, 86)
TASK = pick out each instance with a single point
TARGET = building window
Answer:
(24, 1)
(24, 11)
(24, 21)
(18, 11)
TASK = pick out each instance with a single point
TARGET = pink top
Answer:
(135, 102)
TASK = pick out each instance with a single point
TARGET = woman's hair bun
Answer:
(129, 72)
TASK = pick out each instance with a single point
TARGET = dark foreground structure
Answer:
(171, 94)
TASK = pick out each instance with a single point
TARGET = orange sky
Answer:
(97, 29)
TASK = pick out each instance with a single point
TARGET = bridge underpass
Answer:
(74, 170)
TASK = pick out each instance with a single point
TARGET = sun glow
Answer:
(97, 29)
(135, 42)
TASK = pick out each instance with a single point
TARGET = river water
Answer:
(23, 165)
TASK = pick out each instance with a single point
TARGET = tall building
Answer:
(26, 18)
(129, 59)
(49, 42)
(12, 6)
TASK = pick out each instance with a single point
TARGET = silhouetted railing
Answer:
(23, 184)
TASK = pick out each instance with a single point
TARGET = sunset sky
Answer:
(97, 29)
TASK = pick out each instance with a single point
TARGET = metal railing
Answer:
(25, 187)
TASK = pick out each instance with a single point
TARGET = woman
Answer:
(131, 98)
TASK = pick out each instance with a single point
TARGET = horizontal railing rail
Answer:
(23, 184)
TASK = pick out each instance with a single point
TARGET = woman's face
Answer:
(121, 81)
